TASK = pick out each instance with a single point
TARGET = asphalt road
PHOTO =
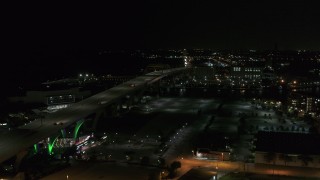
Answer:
(14, 141)
(223, 167)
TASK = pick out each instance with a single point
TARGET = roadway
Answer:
(14, 141)
(225, 167)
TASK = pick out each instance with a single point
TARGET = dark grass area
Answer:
(167, 123)
(128, 123)
(151, 124)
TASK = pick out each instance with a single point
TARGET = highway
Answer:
(14, 141)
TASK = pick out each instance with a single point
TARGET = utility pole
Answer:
(273, 168)
(41, 118)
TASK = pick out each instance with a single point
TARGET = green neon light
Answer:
(76, 129)
(63, 133)
(35, 146)
(50, 146)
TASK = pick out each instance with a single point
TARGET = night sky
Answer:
(34, 32)
(167, 24)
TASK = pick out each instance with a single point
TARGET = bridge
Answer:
(16, 142)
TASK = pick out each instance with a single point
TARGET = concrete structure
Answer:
(51, 97)
(203, 153)
(16, 141)
(301, 104)
(246, 72)
(288, 149)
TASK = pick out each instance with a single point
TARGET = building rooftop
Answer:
(289, 143)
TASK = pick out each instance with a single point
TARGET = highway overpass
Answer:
(15, 141)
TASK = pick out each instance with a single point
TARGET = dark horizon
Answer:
(156, 24)
(44, 35)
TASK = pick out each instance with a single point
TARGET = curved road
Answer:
(14, 141)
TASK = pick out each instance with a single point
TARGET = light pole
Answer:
(41, 118)
(273, 168)
(162, 175)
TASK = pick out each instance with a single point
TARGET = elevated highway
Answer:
(15, 141)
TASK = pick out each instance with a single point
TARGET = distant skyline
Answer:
(39, 35)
